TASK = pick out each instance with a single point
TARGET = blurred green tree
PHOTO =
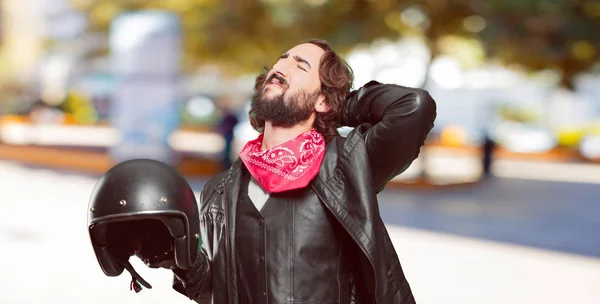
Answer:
(563, 35)
(245, 35)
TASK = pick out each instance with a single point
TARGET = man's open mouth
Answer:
(277, 80)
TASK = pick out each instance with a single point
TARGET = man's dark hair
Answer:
(336, 80)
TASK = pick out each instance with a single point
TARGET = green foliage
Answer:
(539, 34)
(248, 35)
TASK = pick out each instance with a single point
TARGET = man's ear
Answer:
(321, 106)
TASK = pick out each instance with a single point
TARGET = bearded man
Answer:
(295, 219)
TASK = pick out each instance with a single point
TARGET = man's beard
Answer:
(284, 111)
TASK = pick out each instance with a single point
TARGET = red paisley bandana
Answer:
(291, 165)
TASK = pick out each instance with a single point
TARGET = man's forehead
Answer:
(312, 53)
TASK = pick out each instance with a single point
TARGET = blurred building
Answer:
(22, 35)
(1, 21)
(26, 27)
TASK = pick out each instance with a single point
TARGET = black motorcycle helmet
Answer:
(143, 207)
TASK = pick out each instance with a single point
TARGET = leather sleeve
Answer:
(395, 121)
(196, 282)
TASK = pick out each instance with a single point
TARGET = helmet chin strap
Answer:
(135, 278)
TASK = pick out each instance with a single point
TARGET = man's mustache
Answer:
(282, 80)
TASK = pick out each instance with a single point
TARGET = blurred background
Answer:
(502, 205)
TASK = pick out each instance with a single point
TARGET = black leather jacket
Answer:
(390, 124)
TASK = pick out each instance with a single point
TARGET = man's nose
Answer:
(281, 68)
(280, 73)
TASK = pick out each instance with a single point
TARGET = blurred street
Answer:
(447, 241)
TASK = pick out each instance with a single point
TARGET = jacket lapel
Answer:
(231, 191)
(329, 188)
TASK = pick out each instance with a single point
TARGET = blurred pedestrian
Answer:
(226, 128)
(489, 145)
